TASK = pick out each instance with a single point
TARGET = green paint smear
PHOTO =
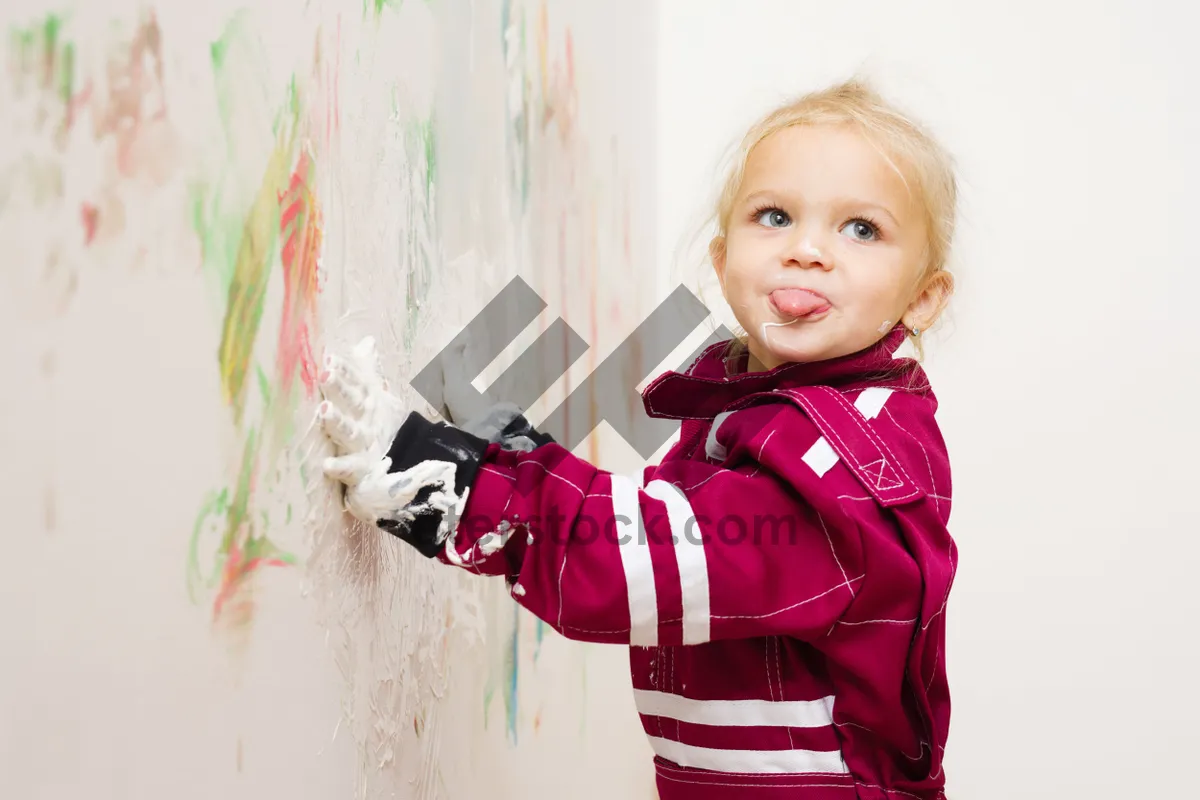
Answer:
(264, 386)
(240, 540)
(430, 150)
(420, 136)
(244, 546)
(241, 249)
(378, 6)
(40, 49)
(66, 76)
(248, 287)
(216, 504)
(520, 123)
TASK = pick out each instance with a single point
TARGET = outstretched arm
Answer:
(687, 552)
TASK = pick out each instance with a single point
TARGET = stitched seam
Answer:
(495, 471)
(561, 570)
(767, 664)
(833, 550)
(794, 605)
(855, 418)
(658, 657)
(854, 465)
(831, 431)
(870, 433)
(678, 736)
(933, 667)
(928, 463)
(617, 630)
(920, 749)
(949, 584)
(764, 444)
(779, 674)
(552, 474)
(701, 483)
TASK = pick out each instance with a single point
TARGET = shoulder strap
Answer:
(847, 432)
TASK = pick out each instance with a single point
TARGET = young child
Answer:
(781, 577)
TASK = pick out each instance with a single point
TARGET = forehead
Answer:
(822, 161)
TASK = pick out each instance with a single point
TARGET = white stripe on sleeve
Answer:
(634, 548)
(690, 558)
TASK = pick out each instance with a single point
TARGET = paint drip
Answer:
(766, 325)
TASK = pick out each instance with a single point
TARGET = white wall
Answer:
(1068, 372)
(364, 670)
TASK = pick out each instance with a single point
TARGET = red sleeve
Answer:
(687, 552)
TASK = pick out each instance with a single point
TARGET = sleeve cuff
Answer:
(420, 440)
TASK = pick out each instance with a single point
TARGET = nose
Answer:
(807, 250)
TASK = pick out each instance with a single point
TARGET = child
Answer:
(781, 577)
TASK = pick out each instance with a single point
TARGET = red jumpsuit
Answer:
(780, 578)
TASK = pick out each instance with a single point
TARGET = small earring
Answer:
(916, 332)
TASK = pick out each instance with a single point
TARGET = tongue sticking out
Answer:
(797, 302)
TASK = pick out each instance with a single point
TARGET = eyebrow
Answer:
(840, 202)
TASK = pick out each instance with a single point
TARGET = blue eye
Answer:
(772, 217)
(861, 230)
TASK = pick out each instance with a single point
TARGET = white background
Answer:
(1067, 370)
(113, 683)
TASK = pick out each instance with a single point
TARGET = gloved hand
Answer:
(360, 416)
(405, 478)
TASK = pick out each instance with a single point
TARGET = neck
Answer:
(754, 365)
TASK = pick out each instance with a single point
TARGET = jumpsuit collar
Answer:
(717, 379)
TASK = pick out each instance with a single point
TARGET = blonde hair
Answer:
(926, 168)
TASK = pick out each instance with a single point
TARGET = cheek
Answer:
(881, 291)
(739, 271)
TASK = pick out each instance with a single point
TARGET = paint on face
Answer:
(766, 326)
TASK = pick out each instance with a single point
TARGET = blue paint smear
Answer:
(513, 666)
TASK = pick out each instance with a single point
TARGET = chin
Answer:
(790, 354)
(801, 355)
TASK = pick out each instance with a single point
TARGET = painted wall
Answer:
(1069, 363)
(197, 199)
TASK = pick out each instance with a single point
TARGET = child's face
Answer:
(825, 249)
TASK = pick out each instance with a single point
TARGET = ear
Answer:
(716, 251)
(927, 306)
